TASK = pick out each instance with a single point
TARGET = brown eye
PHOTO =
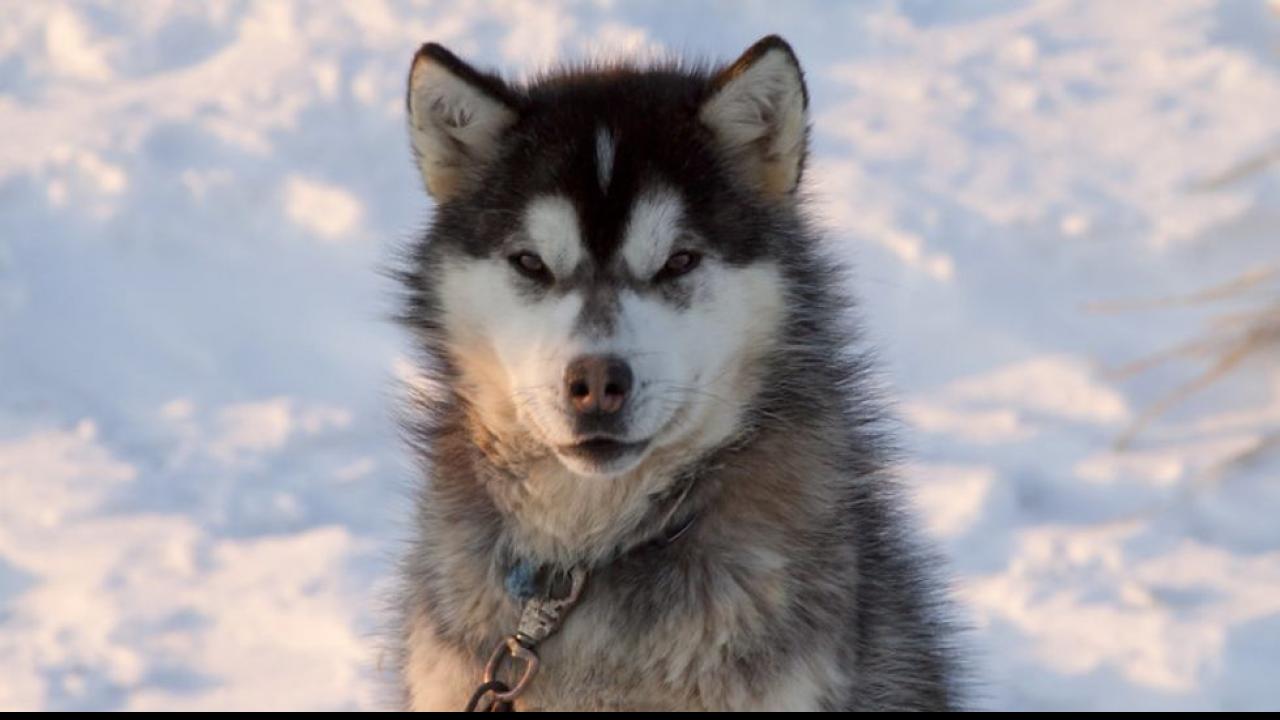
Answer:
(531, 266)
(680, 263)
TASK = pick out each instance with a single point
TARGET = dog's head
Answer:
(604, 260)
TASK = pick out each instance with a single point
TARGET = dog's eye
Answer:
(680, 263)
(531, 266)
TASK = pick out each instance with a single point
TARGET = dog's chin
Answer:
(602, 457)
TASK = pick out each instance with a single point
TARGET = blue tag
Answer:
(522, 581)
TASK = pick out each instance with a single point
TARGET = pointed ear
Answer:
(457, 117)
(758, 110)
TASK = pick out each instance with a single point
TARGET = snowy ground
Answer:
(200, 483)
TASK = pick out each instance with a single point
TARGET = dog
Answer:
(656, 472)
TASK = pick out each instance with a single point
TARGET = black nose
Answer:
(597, 384)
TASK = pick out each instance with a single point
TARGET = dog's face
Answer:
(601, 261)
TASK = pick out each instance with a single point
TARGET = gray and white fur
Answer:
(628, 326)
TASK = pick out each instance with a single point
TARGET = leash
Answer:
(547, 594)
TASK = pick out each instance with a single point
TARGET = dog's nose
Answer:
(597, 384)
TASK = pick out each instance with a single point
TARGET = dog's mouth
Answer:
(602, 451)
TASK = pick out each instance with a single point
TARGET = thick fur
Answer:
(797, 585)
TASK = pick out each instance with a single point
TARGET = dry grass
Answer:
(1228, 340)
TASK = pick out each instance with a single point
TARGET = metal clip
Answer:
(512, 648)
(543, 615)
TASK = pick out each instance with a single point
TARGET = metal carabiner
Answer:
(512, 648)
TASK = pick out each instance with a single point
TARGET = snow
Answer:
(201, 485)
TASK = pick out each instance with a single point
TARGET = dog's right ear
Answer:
(457, 118)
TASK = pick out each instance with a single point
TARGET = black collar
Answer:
(524, 579)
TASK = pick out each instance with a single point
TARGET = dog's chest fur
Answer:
(742, 612)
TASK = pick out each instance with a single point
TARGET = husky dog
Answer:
(646, 422)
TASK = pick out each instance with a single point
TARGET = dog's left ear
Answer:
(458, 118)
(758, 110)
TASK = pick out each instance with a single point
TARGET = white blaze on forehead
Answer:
(605, 149)
(551, 222)
(652, 230)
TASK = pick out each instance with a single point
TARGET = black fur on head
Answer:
(653, 112)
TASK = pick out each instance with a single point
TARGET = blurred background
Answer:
(1065, 219)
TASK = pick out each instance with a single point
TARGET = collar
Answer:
(525, 579)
